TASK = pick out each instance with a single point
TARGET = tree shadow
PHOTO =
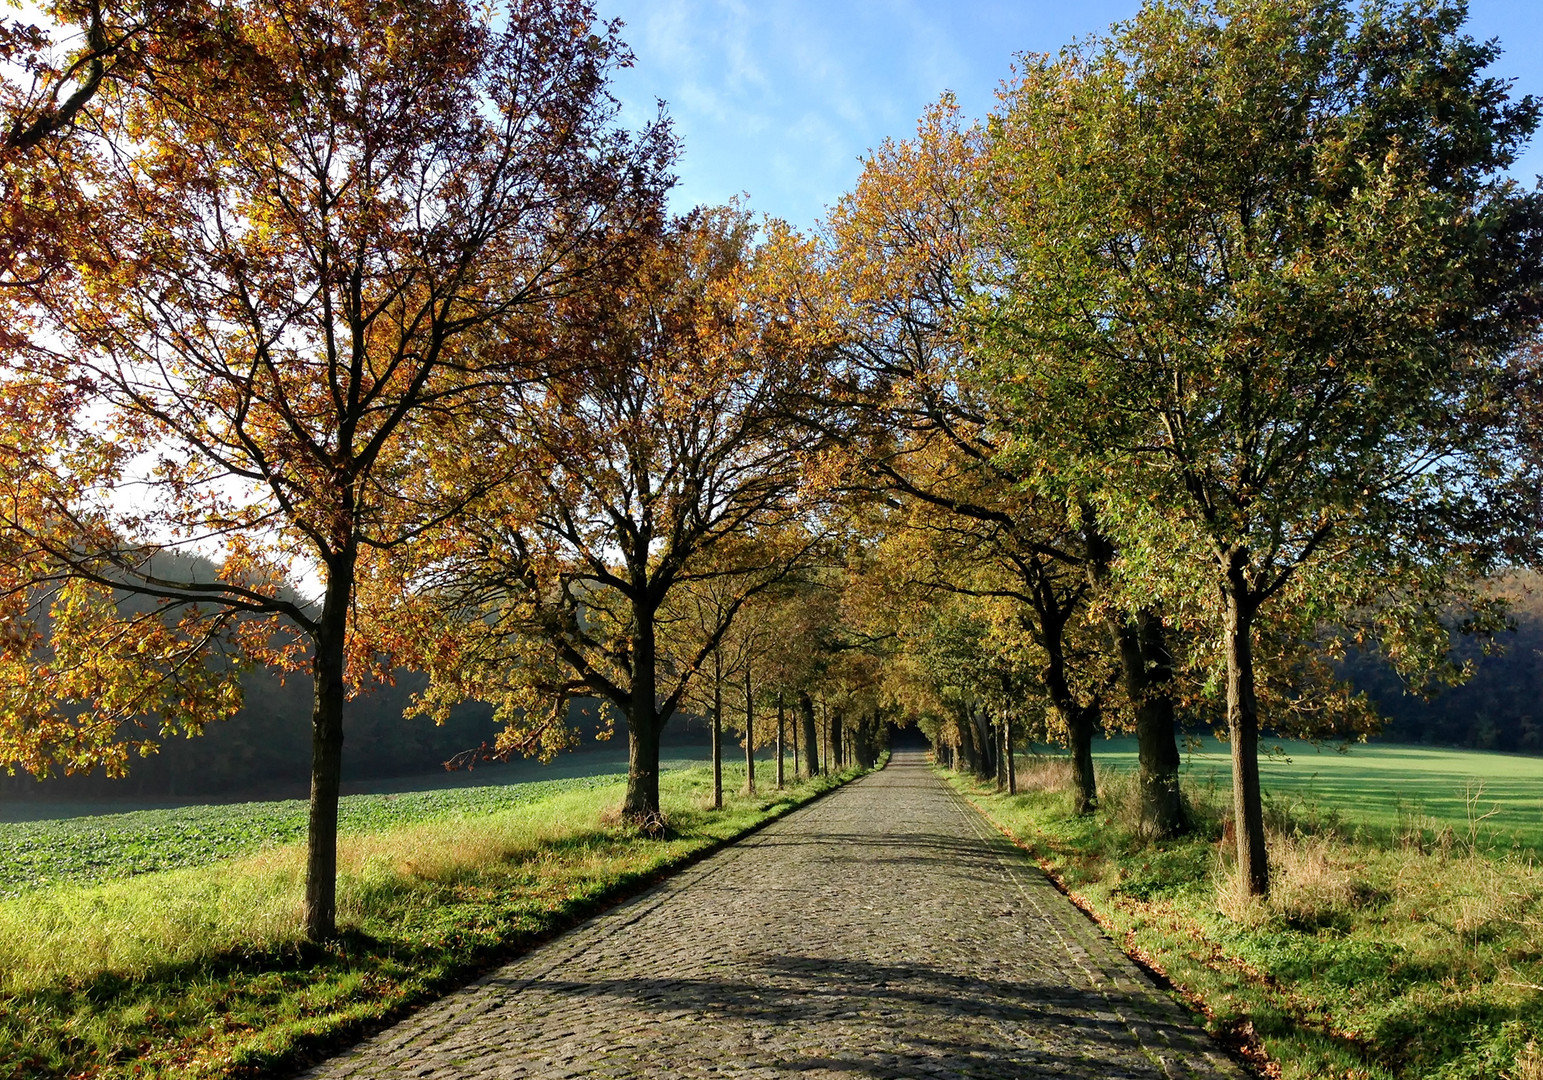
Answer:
(849, 1017)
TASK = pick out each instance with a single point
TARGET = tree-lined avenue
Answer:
(884, 931)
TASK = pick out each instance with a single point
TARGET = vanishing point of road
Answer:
(886, 930)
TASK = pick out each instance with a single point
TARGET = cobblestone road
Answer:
(885, 931)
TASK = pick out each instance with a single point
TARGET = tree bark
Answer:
(319, 915)
(1147, 668)
(717, 733)
(781, 728)
(1243, 733)
(643, 722)
(837, 741)
(811, 736)
(749, 733)
(1007, 744)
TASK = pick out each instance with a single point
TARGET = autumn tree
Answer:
(56, 70)
(83, 705)
(697, 612)
(899, 263)
(747, 668)
(305, 240)
(1262, 260)
(661, 461)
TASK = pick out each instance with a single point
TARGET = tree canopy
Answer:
(1206, 359)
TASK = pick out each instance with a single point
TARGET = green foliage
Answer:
(1253, 269)
(1250, 286)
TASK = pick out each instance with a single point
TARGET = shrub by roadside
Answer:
(201, 972)
(1368, 961)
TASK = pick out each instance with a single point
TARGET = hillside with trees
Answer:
(1498, 707)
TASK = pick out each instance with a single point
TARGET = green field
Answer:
(83, 850)
(1382, 787)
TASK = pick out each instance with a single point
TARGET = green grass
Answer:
(1375, 957)
(82, 850)
(1385, 789)
(200, 972)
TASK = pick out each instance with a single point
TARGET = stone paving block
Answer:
(885, 931)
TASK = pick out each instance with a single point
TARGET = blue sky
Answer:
(779, 99)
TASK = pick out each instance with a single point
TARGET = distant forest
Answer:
(1500, 708)
(265, 750)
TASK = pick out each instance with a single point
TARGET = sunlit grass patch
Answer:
(1422, 794)
(1373, 957)
(201, 971)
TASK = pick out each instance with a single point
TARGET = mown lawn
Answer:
(1375, 957)
(200, 971)
(1384, 789)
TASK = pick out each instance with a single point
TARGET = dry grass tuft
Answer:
(1529, 1063)
(1044, 773)
(1318, 882)
(1315, 881)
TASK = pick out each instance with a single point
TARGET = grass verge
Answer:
(200, 972)
(1369, 961)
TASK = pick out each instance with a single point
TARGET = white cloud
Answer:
(782, 97)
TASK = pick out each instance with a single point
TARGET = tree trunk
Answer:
(867, 741)
(796, 725)
(837, 741)
(1084, 780)
(966, 742)
(825, 738)
(977, 749)
(999, 741)
(717, 733)
(319, 915)
(749, 733)
(985, 745)
(781, 727)
(1079, 721)
(811, 736)
(1147, 667)
(1243, 733)
(1007, 744)
(643, 723)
